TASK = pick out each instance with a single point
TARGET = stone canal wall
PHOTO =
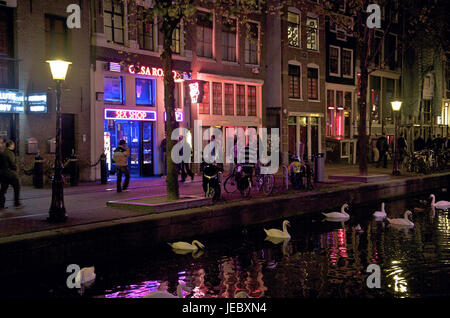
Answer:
(84, 243)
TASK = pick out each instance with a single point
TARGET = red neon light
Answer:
(331, 107)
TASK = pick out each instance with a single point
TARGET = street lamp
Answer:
(57, 212)
(396, 105)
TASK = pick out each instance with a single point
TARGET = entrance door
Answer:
(147, 149)
(129, 131)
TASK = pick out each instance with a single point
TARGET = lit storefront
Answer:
(132, 109)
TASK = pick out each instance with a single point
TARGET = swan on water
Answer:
(442, 205)
(380, 214)
(277, 233)
(338, 216)
(186, 246)
(404, 221)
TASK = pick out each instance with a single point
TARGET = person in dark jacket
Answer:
(121, 154)
(401, 148)
(419, 143)
(163, 147)
(8, 175)
(383, 147)
(184, 166)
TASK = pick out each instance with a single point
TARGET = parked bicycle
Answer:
(264, 182)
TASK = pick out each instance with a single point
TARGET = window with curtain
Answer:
(203, 107)
(312, 34)
(229, 39)
(229, 99)
(294, 81)
(204, 34)
(113, 89)
(144, 92)
(334, 60)
(251, 100)
(313, 83)
(347, 62)
(217, 98)
(293, 29)
(240, 100)
(145, 30)
(251, 44)
(113, 21)
(331, 111)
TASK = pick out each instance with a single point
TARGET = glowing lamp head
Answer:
(396, 105)
(59, 69)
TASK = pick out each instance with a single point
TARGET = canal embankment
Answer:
(76, 244)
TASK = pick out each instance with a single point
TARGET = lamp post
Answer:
(396, 105)
(57, 212)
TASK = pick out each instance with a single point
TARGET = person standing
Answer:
(8, 175)
(419, 143)
(121, 154)
(375, 152)
(184, 166)
(401, 147)
(163, 147)
(383, 149)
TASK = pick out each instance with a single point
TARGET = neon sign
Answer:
(157, 71)
(11, 101)
(194, 92)
(37, 103)
(130, 114)
(179, 116)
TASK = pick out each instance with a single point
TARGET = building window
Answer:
(229, 40)
(229, 99)
(293, 29)
(203, 107)
(347, 63)
(145, 31)
(252, 44)
(176, 40)
(334, 60)
(204, 34)
(113, 21)
(113, 89)
(331, 111)
(55, 37)
(217, 98)
(427, 111)
(375, 90)
(294, 81)
(144, 92)
(312, 34)
(313, 83)
(240, 100)
(251, 100)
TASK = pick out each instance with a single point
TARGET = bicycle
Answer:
(264, 182)
(230, 184)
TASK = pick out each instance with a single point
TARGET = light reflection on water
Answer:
(321, 260)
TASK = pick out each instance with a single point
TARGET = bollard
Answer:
(74, 169)
(103, 170)
(38, 172)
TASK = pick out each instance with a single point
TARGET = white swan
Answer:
(186, 246)
(380, 214)
(338, 216)
(163, 294)
(85, 278)
(277, 233)
(405, 221)
(442, 205)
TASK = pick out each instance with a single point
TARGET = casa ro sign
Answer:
(129, 114)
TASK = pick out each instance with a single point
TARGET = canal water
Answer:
(321, 260)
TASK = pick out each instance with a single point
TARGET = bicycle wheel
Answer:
(230, 184)
(268, 183)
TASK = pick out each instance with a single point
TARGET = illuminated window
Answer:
(144, 92)
(293, 29)
(229, 99)
(294, 81)
(145, 30)
(313, 83)
(251, 100)
(113, 89)
(203, 107)
(229, 40)
(331, 111)
(251, 44)
(312, 34)
(176, 40)
(204, 34)
(113, 21)
(217, 98)
(240, 100)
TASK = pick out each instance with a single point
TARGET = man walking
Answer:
(121, 154)
(8, 175)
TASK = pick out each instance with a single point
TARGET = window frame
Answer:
(291, 96)
(50, 51)
(338, 61)
(217, 101)
(113, 13)
(253, 87)
(122, 90)
(203, 27)
(351, 63)
(141, 26)
(249, 45)
(296, 25)
(239, 98)
(308, 28)
(227, 34)
(317, 84)
(176, 40)
(151, 90)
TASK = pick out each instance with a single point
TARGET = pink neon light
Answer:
(179, 116)
(194, 92)
(151, 71)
